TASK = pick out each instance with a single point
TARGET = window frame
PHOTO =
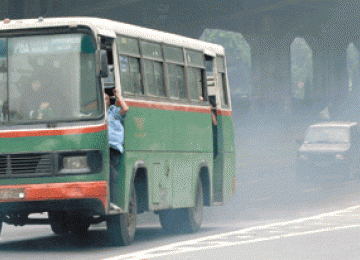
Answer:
(224, 90)
(152, 59)
(202, 71)
(165, 70)
(129, 56)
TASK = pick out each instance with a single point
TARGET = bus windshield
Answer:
(48, 78)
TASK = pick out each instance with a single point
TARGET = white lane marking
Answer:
(188, 246)
(244, 236)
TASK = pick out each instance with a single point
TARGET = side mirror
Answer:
(103, 64)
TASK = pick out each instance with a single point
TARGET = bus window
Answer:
(154, 69)
(176, 81)
(49, 76)
(128, 46)
(209, 66)
(174, 54)
(223, 90)
(154, 78)
(129, 61)
(151, 50)
(130, 76)
(195, 58)
(221, 77)
(195, 83)
(195, 67)
(175, 72)
(88, 96)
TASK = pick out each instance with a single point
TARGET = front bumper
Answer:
(90, 197)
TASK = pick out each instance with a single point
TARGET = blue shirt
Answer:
(115, 128)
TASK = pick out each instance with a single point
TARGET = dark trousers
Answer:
(115, 157)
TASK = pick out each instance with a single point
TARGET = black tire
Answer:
(58, 223)
(122, 228)
(62, 224)
(1, 226)
(187, 220)
(78, 225)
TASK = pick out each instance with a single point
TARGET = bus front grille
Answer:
(26, 164)
(3, 165)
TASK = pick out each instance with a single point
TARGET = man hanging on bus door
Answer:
(115, 118)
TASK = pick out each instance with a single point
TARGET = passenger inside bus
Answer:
(34, 101)
(40, 98)
(38, 103)
(115, 118)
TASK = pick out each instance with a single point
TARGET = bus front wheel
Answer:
(58, 223)
(121, 228)
(62, 224)
(187, 220)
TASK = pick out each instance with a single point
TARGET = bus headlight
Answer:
(75, 164)
(80, 162)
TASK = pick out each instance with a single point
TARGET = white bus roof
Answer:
(111, 28)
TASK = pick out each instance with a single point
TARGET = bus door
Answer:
(214, 99)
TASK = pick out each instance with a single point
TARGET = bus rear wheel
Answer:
(122, 227)
(187, 220)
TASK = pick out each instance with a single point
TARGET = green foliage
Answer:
(236, 47)
(238, 58)
(301, 68)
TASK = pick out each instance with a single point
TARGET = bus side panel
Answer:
(184, 175)
(229, 157)
(171, 178)
(193, 132)
(148, 130)
(194, 139)
(158, 177)
(228, 134)
(156, 137)
(149, 139)
(229, 175)
(224, 170)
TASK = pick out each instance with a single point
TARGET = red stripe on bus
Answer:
(55, 191)
(69, 131)
(224, 113)
(205, 110)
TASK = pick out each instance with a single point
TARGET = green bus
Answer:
(54, 155)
